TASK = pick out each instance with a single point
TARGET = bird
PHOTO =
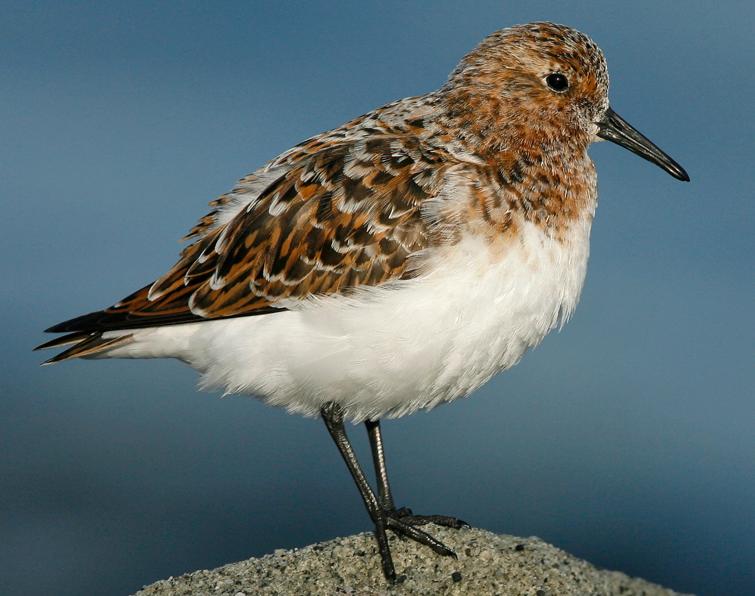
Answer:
(396, 262)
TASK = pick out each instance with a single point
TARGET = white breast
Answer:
(392, 350)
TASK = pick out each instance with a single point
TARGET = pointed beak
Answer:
(614, 128)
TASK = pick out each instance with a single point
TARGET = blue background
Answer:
(626, 439)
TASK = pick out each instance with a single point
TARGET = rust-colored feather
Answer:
(322, 227)
(358, 205)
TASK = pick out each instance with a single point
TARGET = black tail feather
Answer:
(64, 340)
(89, 346)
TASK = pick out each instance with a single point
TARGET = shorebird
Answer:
(396, 262)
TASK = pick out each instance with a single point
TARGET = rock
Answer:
(487, 564)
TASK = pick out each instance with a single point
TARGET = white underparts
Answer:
(397, 348)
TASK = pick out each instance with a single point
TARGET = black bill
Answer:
(614, 128)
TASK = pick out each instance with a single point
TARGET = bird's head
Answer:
(541, 87)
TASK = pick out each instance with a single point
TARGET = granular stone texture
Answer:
(487, 564)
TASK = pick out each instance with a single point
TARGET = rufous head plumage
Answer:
(540, 88)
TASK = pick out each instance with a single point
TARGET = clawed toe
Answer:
(440, 520)
(382, 511)
(406, 515)
(403, 522)
(409, 531)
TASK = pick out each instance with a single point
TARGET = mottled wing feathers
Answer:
(345, 216)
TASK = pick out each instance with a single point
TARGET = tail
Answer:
(86, 341)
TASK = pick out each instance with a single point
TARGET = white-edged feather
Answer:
(400, 347)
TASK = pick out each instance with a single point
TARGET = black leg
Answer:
(385, 497)
(332, 414)
(382, 511)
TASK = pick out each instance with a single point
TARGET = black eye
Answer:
(557, 81)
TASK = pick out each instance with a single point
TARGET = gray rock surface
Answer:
(487, 564)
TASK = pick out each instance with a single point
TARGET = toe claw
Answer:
(421, 520)
(404, 524)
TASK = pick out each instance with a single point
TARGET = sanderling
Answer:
(396, 262)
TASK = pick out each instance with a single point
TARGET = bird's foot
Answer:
(406, 515)
(403, 522)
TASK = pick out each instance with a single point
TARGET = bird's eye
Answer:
(557, 82)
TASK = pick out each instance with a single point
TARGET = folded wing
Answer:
(346, 216)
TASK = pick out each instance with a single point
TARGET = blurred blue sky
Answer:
(626, 439)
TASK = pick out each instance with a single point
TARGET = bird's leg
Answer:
(383, 519)
(332, 414)
(385, 497)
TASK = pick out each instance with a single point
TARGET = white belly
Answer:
(393, 350)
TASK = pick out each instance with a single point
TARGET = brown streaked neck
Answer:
(543, 172)
(497, 130)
